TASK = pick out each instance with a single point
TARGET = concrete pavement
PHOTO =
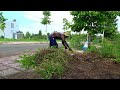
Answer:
(8, 66)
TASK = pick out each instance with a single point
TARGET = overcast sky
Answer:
(30, 20)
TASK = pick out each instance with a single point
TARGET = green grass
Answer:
(22, 40)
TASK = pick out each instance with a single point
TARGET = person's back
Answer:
(61, 36)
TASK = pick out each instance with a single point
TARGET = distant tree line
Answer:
(33, 36)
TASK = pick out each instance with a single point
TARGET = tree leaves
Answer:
(2, 21)
(46, 19)
(95, 21)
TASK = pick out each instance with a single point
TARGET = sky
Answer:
(31, 20)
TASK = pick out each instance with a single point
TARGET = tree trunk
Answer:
(103, 36)
(89, 40)
(46, 33)
(4, 34)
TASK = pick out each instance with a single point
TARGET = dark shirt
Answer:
(61, 36)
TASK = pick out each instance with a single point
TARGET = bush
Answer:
(116, 45)
(76, 41)
(107, 49)
(27, 61)
(92, 49)
(97, 40)
(2, 37)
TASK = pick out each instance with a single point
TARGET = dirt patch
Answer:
(92, 66)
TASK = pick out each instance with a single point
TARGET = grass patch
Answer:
(22, 40)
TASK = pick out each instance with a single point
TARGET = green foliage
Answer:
(66, 24)
(92, 49)
(2, 37)
(95, 22)
(48, 63)
(46, 20)
(28, 35)
(40, 33)
(97, 40)
(27, 61)
(50, 69)
(76, 40)
(2, 22)
(116, 45)
(107, 49)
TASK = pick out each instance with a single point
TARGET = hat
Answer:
(66, 33)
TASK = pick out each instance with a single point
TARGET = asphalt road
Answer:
(14, 49)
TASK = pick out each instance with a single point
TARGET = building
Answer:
(11, 30)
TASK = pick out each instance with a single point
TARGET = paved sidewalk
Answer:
(8, 66)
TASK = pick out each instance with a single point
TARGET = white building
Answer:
(10, 30)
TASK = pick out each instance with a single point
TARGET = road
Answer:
(14, 49)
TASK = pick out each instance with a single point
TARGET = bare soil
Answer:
(92, 66)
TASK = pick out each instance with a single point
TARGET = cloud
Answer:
(56, 18)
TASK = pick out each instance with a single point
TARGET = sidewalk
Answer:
(8, 66)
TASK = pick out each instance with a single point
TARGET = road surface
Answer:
(14, 49)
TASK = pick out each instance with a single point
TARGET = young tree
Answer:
(66, 24)
(2, 22)
(28, 35)
(95, 22)
(39, 34)
(46, 19)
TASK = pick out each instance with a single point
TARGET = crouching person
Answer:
(85, 46)
(60, 36)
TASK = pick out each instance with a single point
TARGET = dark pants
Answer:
(53, 41)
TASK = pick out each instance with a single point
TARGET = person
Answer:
(85, 46)
(61, 36)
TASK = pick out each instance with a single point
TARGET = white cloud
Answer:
(56, 17)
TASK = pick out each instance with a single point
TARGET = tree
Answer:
(95, 22)
(66, 24)
(40, 34)
(46, 19)
(48, 34)
(2, 23)
(28, 35)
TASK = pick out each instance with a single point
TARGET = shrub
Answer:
(2, 37)
(92, 49)
(106, 49)
(76, 41)
(27, 61)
